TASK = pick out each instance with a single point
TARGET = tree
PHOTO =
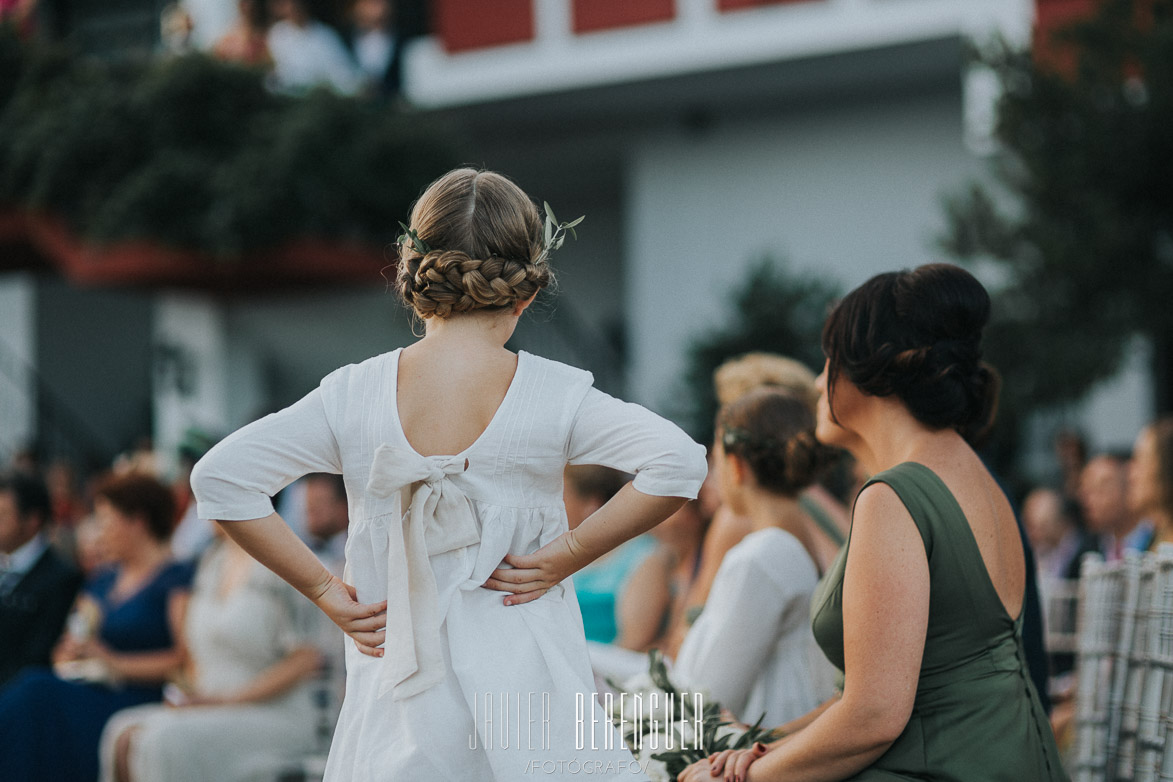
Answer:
(1085, 238)
(777, 311)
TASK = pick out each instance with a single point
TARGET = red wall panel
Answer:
(591, 15)
(477, 24)
(737, 5)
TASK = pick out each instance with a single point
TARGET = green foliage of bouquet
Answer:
(692, 734)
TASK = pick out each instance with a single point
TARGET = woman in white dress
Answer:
(452, 451)
(752, 648)
(253, 649)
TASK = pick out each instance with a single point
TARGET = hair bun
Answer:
(444, 282)
(475, 242)
(917, 335)
(773, 432)
(984, 386)
(806, 458)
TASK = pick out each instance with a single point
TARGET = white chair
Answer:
(1156, 705)
(1102, 589)
(1133, 658)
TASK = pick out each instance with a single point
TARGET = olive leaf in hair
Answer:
(731, 438)
(555, 232)
(417, 244)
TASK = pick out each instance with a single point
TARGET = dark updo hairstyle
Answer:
(916, 335)
(773, 432)
(142, 496)
(481, 247)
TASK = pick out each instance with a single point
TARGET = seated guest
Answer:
(752, 648)
(1103, 495)
(49, 726)
(326, 518)
(655, 592)
(827, 518)
(251, 647)
(587, 488)
(37, 587)
(1150, 480)
(1053, 527)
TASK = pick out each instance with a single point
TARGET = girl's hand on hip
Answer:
(529, 576)
(365, 623)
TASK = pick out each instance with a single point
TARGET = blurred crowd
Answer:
(138, 643)
(352, 47)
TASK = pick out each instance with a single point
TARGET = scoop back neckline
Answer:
(497, 414)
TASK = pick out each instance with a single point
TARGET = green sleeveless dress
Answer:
(976, 717)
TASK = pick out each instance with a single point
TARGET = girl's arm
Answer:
(234, 482)
(272, 543)
(627, 514)
(669, 468)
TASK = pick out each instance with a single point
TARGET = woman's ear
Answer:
(520, 306)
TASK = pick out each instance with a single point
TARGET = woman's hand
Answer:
(365, 623)
(532, 575)
(731, 765)
(200, 700)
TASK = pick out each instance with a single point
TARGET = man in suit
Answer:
(37, 587)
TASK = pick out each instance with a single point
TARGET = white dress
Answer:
(469, 689)
(231, 639)
(752, 648)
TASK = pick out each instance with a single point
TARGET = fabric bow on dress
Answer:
(438, 518)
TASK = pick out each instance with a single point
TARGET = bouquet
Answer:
(668, 729)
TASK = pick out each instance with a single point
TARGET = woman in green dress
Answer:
(922, 609)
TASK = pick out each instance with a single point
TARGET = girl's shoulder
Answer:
(566, 374)
(350, 376)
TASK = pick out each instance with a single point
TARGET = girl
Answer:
(452, 451)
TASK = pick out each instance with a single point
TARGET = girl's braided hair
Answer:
(475, 243)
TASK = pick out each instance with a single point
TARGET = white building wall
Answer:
(17, 351)
(282, 346)
(190, 379)
(847, 191)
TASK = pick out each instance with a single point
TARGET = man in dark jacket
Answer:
(37, 587)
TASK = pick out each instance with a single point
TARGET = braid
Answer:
(444, 282)
(474, 243)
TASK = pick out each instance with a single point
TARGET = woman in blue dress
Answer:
(121, 647)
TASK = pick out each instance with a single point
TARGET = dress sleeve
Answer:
(237, 479)
(727, 648)
(631, 438)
